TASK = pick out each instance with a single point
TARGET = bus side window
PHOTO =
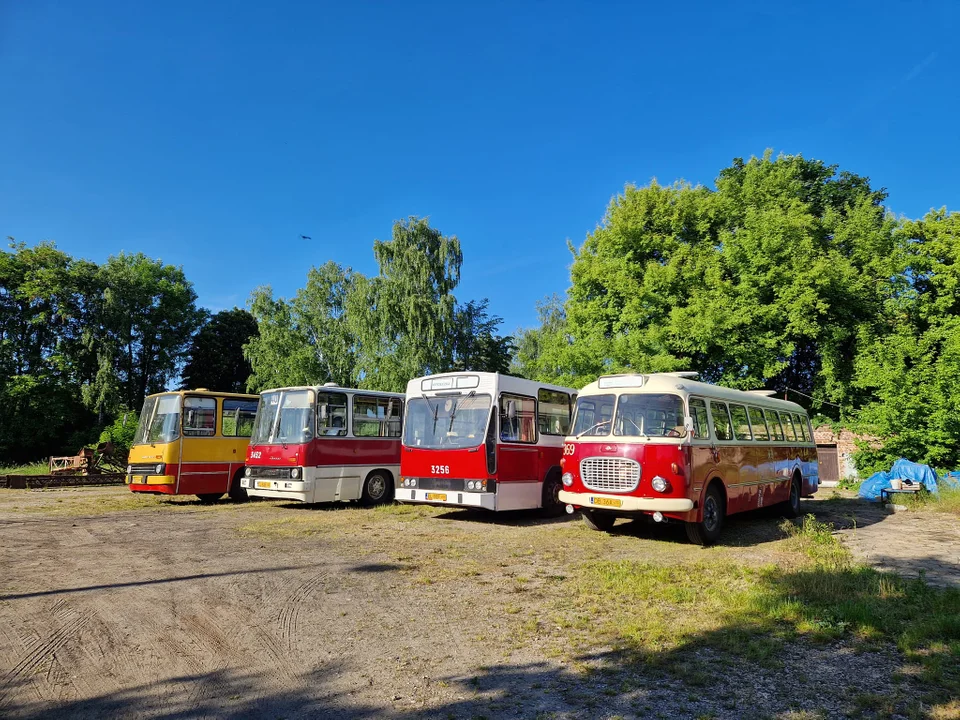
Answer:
(518, 419)
(236, 418)
(553, 412)
(773, 422)
(758, 424)
(722, 426)
(787, 423)
(199, 416)
(801, 428)
(741, 423)
(698, 411)
(331, 414)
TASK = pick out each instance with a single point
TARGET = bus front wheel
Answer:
(598, 520)
(376, 488)
(236, 492)
(550, 502)
(707, 531)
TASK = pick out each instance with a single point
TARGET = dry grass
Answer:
(946, 501)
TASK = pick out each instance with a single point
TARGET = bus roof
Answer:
(482, 382)
(683, 384)
(335, 388)
(205, 391)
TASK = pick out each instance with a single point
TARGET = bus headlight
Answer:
(159, 468)
(660, 484)
(294, 473)
(409, 482)
(129, 469)
(247, 472)
(567, 479)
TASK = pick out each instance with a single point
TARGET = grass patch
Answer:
(38, 468)
(658, 614)
(946, 501)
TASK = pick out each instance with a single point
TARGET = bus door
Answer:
(204, 458)
(517, 452)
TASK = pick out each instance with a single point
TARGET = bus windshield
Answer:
(593, 414)
(649, 415)
(442, 422)
(284, 416)
(159, 420)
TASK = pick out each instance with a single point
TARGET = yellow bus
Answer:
(192, 442)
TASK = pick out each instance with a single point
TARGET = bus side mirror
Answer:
(688, 424)
(322, 410)
(511, 409)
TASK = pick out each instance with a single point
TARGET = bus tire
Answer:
(207, 498)
(598, 520)
(707, 531)
(550, 501)
(791, 506)
(377, 488)
(237, 493)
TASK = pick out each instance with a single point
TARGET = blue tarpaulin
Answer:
(906, 471)
(951, 480)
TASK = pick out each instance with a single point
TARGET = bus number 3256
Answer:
(440, 469)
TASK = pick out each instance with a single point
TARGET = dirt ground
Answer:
(112, 606)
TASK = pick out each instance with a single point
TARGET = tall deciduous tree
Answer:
(216, 359)
(477, 345)
(404, 317)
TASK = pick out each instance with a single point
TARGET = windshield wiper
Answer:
(593, 427)
(456, 406)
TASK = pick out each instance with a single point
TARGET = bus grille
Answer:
(277, 473)
(610, 474)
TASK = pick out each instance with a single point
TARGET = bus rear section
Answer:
(191, 442)
(483, 440)
(325, 444)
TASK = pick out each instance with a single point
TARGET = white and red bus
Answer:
(669, 447)
(484, 440)
(325, 444)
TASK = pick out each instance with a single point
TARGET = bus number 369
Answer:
(440, 469)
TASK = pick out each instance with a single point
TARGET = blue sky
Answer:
(213, 135)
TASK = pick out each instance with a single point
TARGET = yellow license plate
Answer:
(606, 502)
(442, 497)
(264, 484)
(137, 478)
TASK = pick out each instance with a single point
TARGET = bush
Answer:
(121, 432)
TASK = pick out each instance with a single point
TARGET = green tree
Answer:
(476, 343)
(216, 359)
(403, 319)
(911, 364)
(148, 315)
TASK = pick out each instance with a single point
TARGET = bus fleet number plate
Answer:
(606, 502)
(264, 484)
(437, 496)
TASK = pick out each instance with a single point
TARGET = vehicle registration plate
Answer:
(437, 496)
(264, 484)
(606, 502)
(137, 478)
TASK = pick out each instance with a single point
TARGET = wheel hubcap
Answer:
(710, 514)
(377, 486)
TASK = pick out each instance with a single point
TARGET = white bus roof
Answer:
(479, 382)
(681, 384)
(334, 388)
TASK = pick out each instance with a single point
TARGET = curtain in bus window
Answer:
(518, 422)
(758, 425)
(721, 420)
(376, 416)
(553, 412)
(741, 423)
(199, 416)
(593, 415)
(237, 418)
(698, 411)
(331, 414)
(649, 415)
(773, 422)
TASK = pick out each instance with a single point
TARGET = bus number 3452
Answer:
(440, 469)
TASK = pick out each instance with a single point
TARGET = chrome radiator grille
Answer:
(610, 474)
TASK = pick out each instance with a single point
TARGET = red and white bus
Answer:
(325, 444)
(669, 447)
(484, 440)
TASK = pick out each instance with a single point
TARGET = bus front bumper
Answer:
(625, 503)
(166, 484)
(459, 498)
(281, 489)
